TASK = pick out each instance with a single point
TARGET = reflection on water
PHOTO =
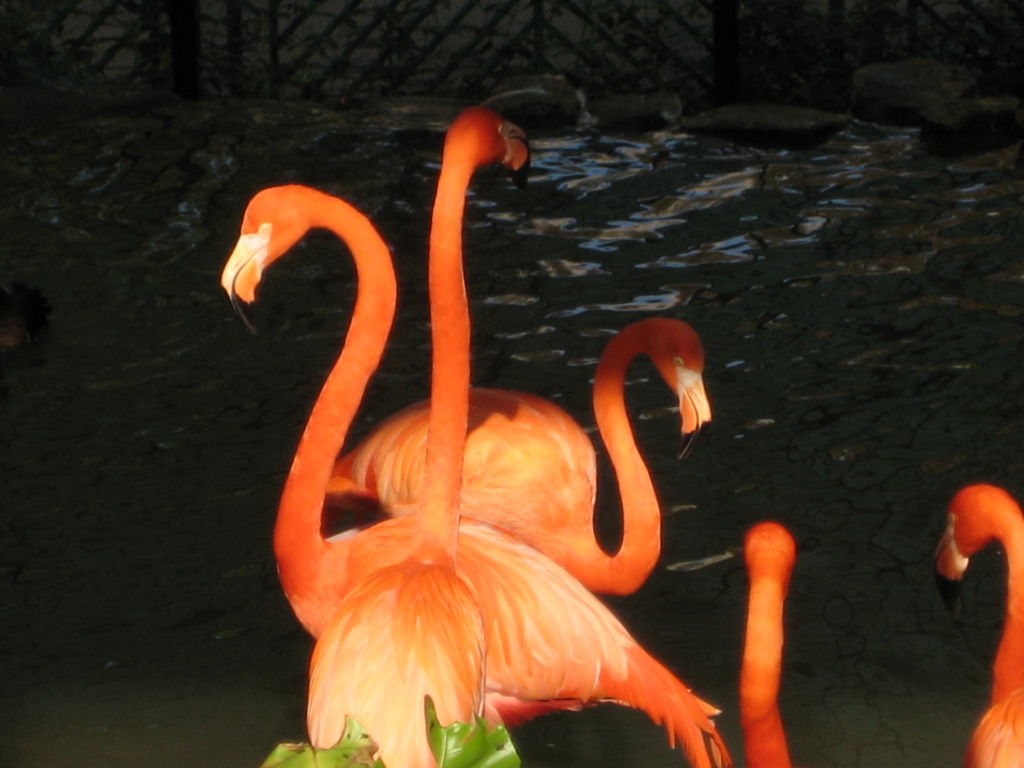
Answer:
(734, 249)
(860, 305)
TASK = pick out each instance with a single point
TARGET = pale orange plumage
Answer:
(403, 633)
(977, 515)
(547, 636)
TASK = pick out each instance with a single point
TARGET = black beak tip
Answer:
(687, 443)
(950, 592)
(520, 174)
(239, 308)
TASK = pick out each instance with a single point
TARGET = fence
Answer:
(349, 50)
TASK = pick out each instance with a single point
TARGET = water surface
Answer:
(860, 304)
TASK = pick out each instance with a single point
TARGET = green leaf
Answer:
(289, 755)
(464, 745)
(354, 750)
(459, 745)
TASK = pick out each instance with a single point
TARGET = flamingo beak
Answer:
(950, 566)
(694, 406)
(517, 153)
(244, 269)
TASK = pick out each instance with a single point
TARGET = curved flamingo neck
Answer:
(450, 340)
(1007, 669)
(641, 535)
(764, 739)
(298, 542)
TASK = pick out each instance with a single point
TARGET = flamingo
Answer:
(548, 642)
(445, 662)
(769, 551)
(530, 469)
(410, 630)
(977, 515)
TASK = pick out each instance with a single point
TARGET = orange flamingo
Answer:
(549, 642)
(531, 470)
(977, 515)
(385, 607)
(769, 551)
(411, 630)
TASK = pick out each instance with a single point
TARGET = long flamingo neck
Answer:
(641, 535)
(764, 739)
(450, 340)
(298, 542)
(1007, 669)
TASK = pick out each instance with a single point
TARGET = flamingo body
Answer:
(525, 457)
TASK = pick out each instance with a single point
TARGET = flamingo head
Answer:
(489, 138)
(677, 353)
(976, 515)
(273, 223)
(517, 153)
(769, 551)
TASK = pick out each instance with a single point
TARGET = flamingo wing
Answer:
(406, 632)
(528, 468)
(549, 638)
(550, 644)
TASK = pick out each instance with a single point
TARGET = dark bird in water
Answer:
(23, 312)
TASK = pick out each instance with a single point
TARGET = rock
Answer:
(897, 93)
(412, 115)
(969, 126)
(767, 125)
(637, 112)
(536, 101)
